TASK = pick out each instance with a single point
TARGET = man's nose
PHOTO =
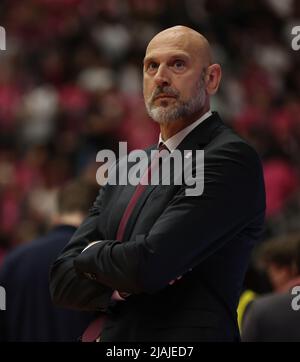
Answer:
(162, 77)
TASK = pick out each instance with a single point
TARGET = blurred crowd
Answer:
(71, 85)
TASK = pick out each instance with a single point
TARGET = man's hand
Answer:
(123, 295)
(119, 295)
(180, 276)
(173, 281)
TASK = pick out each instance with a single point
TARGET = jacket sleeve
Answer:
(190, 229)
(252, 325)
(69, 288)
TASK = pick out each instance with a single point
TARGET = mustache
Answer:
(168, 91)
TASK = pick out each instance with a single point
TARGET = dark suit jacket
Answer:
(272, 319)
(30, 314)
(207, 239)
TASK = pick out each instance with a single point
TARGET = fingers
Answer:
(173, 281)
(178, 278)
(116, 296)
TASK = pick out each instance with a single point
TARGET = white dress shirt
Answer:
(175, 140)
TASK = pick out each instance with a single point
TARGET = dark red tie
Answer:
(139, 191)
(94, 330)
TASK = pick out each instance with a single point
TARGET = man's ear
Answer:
(212, 78)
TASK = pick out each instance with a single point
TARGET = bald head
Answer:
(184, 38)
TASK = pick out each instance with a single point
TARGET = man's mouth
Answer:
(160, 96)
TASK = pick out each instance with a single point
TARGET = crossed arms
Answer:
(190, 229)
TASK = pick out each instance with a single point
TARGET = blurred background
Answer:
(71, 85)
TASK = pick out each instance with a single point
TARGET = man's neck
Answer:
(169, 129)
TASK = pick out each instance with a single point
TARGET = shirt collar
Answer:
(173, 142)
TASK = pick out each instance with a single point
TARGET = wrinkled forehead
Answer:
(173, 42)
(184, 40)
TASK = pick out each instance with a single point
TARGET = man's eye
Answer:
(152, 66)
(179, 64)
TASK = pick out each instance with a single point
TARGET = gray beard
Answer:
(181, 110)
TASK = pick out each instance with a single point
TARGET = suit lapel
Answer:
(202, 134)
(197, 139)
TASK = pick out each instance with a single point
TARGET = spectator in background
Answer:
(30, 314)
(271, 318)
(279, 259)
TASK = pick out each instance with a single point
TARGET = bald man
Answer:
(175, 261)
